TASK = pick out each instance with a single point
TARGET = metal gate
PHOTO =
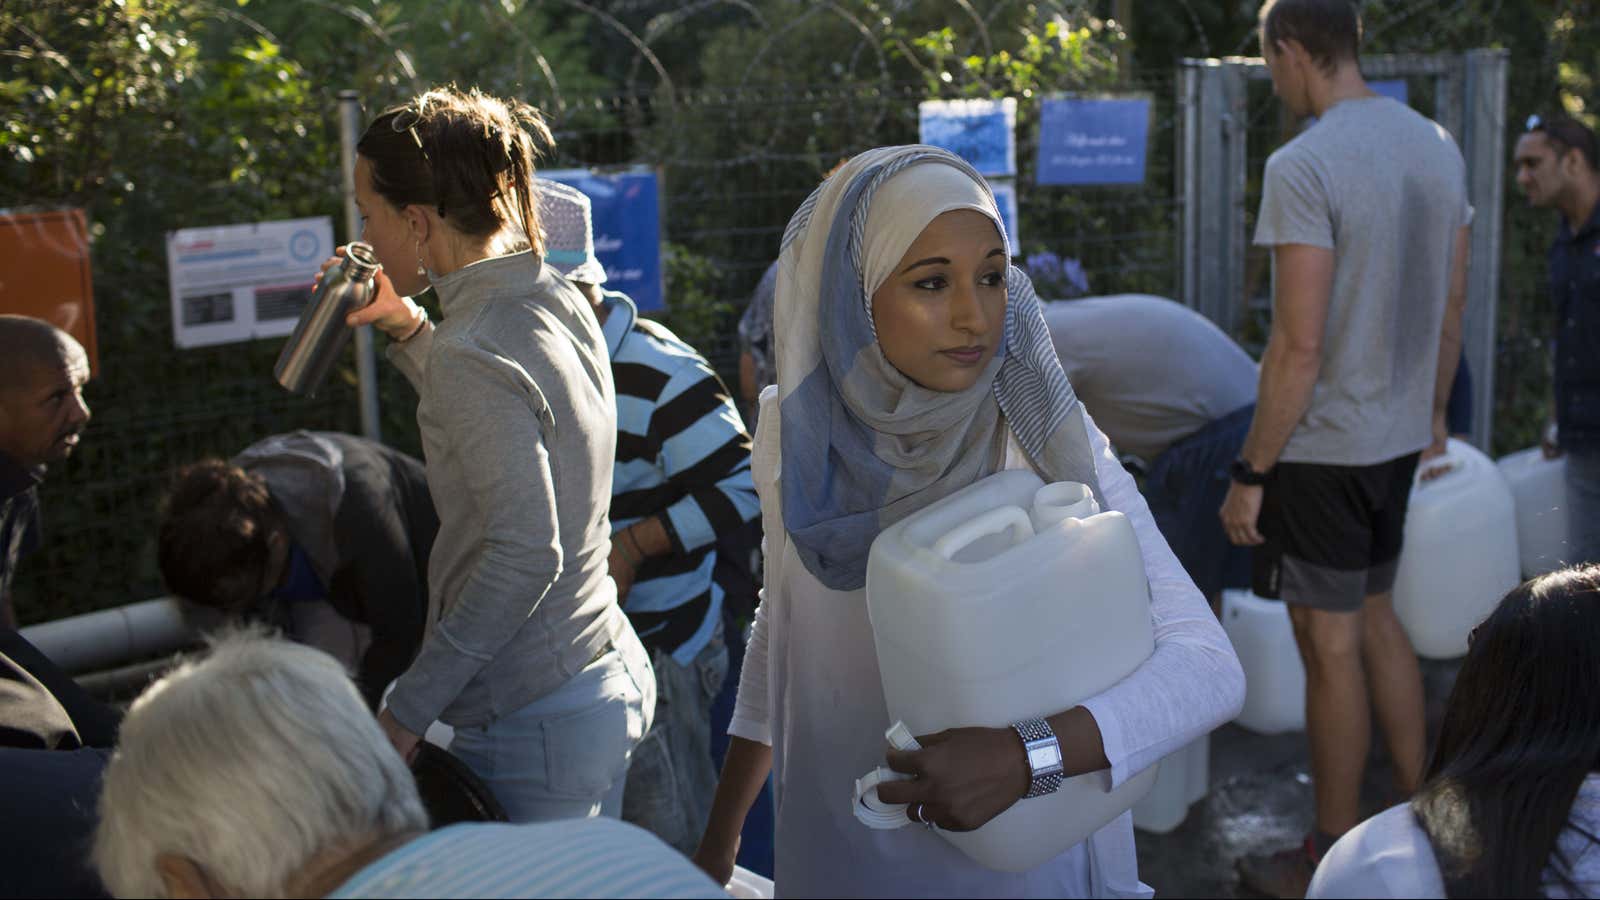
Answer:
(1222, 104)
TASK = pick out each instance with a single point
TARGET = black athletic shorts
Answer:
(1333, 533)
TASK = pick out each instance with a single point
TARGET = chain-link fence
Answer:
(734, 164)
(740, 106)
(1524, 319)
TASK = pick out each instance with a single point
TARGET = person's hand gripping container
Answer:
(1009, 600)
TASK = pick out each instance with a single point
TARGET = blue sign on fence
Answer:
(1005, 197)
(1394, 89)
(982, 132)
(1092, 141)
(627, 229)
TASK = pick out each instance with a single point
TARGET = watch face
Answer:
(1045, 757)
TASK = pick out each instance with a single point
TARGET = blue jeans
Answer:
(1583, 506)
(672, 778)
(1186, 487)
(565, 755)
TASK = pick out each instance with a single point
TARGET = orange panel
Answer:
(44, 272)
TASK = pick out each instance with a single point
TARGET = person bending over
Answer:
(323, 535)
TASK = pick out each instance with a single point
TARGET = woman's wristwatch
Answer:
(1044, 756)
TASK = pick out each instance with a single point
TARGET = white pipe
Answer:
(113, 637)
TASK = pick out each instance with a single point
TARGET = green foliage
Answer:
(698, 314)
(1554, 48)
(1057, 54)
(155, 115)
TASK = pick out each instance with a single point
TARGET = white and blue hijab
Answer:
(863, 446)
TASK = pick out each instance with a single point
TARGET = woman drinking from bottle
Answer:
(527, 654)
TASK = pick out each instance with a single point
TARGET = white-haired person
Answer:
(913, 360)
(257, 771)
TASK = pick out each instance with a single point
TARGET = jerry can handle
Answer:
(995, 521)
(1063, 500)
(1440, 467)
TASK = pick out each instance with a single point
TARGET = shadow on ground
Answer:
(1260, 801)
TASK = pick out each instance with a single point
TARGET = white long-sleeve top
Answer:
(811, 690)
(1389, 855)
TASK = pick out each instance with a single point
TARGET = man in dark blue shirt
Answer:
(42, 414)
(1558, 166)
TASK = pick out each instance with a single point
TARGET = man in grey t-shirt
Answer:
(1367, 216)
(1168, 386)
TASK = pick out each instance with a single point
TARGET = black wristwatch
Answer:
(1241, 472)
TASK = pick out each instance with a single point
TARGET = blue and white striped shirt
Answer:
(682, 454)
(597, 857)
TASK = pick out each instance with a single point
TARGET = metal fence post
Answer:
(366, 359)
(1236, 143)
(1212, 154)
(1187, 176)
(1482, 135)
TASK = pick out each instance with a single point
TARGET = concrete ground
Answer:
(1260, 801)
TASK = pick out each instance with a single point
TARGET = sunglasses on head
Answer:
(406, 120)
(1567, 132)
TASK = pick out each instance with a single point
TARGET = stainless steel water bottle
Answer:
(320, 335)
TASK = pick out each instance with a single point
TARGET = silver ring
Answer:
(916, 813)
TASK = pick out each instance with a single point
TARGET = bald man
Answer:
(42, 414)
(53, 735)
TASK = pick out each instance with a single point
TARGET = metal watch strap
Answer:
(1032, 731)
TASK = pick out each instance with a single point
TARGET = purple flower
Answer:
(1056, 278)
(1044, 266)
(1075, 278)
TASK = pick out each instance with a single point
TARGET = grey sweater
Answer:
(519, 427)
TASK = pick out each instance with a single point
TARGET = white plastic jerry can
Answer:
(1274, 676)
(1183, 780)
(1010, 600)
(1539, 490)
(1460, 552)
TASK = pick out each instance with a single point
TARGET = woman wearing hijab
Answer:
(913, 360)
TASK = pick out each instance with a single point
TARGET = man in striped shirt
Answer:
(682, 480)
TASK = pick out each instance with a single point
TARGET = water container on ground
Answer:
(1460, 551)
(1274, 677)
(1539, 490)
(1180, 783)
(747, 885)
(1009, 600)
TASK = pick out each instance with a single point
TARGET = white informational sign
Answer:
(241, 282)
(982, 132)
(1085, 140)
